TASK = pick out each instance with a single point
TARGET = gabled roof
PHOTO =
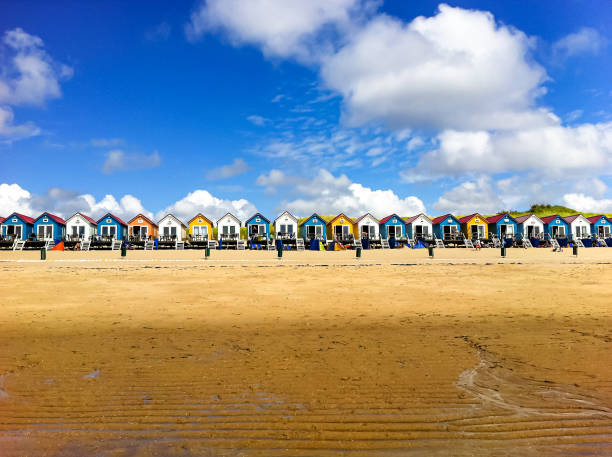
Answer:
(437, 220)
(594, 219)
(410, 220)
(521, 219)
(142, 216)
(57, 219)
(232, 216)
(255, 215)
(364, 216)
(87, 218)
(2, 219)
(26, 219)
(288, 214)
(173, 217)
(321, 220)
(201, 216)
(466, 219)
(350, 221)
(384, 220)
(547, 219)
(572, 218)
(113, 216)
(495, 219)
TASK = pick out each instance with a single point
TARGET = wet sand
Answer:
(318, 354)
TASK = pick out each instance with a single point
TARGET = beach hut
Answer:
(200, 228)
(502, 225)
(111, 227)
(529, 225)
(474, 227)
(340, 228)
(601, 226)
(366, 227)
(80, 227)
(313, 228)
(18, 226)
(228, 227)
(579, 226)
(141, 228)
(446, 227)
(257, 226)
(392, 226)
(49, 227)
(555, 226)
(286, 226)
(172, 228)
(419, 226)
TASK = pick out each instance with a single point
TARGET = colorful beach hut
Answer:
(112, 227)
(171, 228)
(340, 228)
(474, 227)
(419, 226)
(228, 227)
(141, 228)
(601, 226)
(392, 226)
(579, 226)
(502, 225)
(80, 227)
(313, 228)
(446, 227)
(286, 226)
(18, 226)
(529, 225)
(555, 226)
(366, 227)
(200, 228)
(49, 227)
(257, 226)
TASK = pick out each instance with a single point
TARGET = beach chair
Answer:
(467, 242)
(116, 245)
(579, 243)
(299, 244)
(555, 244)
(85, 245)
(527, 242)
(439, 243)
(179, 245)
(18, 245)
(240, 245)
(149, 245)
(384, 243)
(49, 244)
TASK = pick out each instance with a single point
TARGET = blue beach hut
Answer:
(446, 227)
(601, 226)
(257, 226)
(18, 226)
(313, 230)
(49, 227)
(111, 226)
(392, 226)
(556, 227)
(503, 225)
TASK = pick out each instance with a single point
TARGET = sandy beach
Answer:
(318, 354)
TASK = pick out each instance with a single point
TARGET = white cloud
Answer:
(14, 199)
(237, 167)
(470, 197)
(118, 160)
(201, 201)
(10, 132)
(574, 115)
(328, 194)
(285, 28)
(259, 121)
(585, 41)
(106, 142)
(587, 204)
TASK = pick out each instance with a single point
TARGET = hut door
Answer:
(112, 231)
(418, 231)
(310, 232)
(603, 231)
(365, 231)
(338, 230)
(41, 232)
(474, 231)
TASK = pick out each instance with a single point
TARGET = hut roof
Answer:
(384, 220)
(84, 216)
(200, 215)
(260, 215)
(321, 219)
(339, 216)
(547, 219)
(2, 219)
(288, 214)
(410, 220)
(437, 220)
(27, 219)
(57, 219)
(521, 219)
(466, 219)
(594, 219)
(232, 216)
(173, 217)
(114, 217)
(572, 218)
(142, 216)
(364, 216)
(498, 217)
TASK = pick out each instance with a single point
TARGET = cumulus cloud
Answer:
(202, 201)
(286, 28)
(257, 120)
(237, 167)
(331, 194)
(587, 203)
(469, 197)
(585, 41)
(118, 160)
(9, 131)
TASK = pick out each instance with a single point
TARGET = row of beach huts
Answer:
(80, 231)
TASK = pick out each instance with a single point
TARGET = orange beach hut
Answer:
(142, 228)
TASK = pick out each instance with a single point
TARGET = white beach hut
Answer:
(367, 226)
(419, 226)
(530, 225)
(172, 229)
(228, 227)
(80, 227)
(285, 225)
(580, 226)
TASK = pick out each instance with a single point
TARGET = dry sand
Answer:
(318, 354)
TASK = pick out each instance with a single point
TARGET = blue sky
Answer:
(342, 105)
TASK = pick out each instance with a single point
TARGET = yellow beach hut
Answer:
(200, 228)
(340, 228)
(474, 227)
